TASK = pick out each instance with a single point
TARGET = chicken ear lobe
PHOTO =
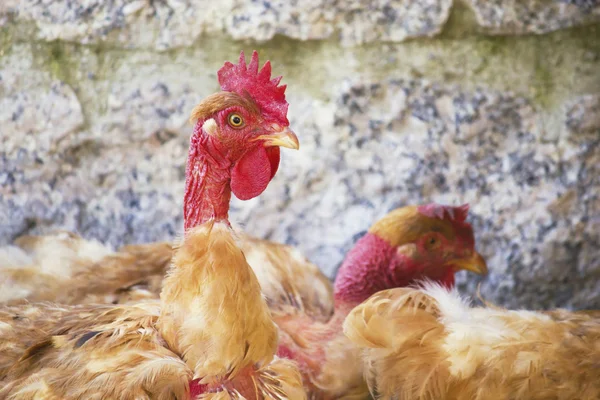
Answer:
(252, 173)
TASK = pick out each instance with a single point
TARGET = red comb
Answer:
(456, 214)
(246, 78)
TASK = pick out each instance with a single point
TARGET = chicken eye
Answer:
(235, 120)
(432, 242)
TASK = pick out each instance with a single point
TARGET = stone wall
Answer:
(491, 102)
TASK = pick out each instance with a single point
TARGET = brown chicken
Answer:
(211, 334)
(392, 254)
(430, 344)
(67, 269)
(408, 244)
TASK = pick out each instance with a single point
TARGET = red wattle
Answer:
(251, 174)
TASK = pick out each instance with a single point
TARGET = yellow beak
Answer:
(476, 263)
(283, 138)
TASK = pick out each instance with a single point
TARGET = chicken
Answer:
(211, 334)
(408, 244)
(430, 344)
(293, 294)
(68, 269)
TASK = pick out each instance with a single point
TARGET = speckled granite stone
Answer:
(355, 22)
(174, 23)
(376, 146)
(94, 126)
(533, 16)
(131, 23)
(583, 114)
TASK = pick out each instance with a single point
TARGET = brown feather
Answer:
(221, 100)
(431, 345)
(406, 224)
(287, 279)
(135, 273)
(68, 269)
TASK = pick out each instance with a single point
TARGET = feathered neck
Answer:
(207, 185)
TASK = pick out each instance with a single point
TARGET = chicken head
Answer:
(410, 243)
(236, 139)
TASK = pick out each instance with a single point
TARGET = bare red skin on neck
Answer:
(211, 175)
(373, 265)
(196, 388)
(207, 190)
(363, 271)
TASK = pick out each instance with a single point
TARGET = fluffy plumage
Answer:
(67, 269)
(430, 344)
(93, 273)
(300, 297)
(211, 334)
(288, 279)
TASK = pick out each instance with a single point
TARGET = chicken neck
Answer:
(307, 340)
(373, 265)
(365, 270)
(322, 348)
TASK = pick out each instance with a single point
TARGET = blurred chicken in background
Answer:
(68, 269)
(430, 344)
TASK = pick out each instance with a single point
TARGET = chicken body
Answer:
(329, 362)
(407, 244)
(67, 269)
(430, 344)
(151, 350)
(211, 334)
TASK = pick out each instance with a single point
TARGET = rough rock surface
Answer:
(166, 24)
(173, 23)
(533, 16)
(93, 123)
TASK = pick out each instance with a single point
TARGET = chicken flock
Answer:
(223, 315)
